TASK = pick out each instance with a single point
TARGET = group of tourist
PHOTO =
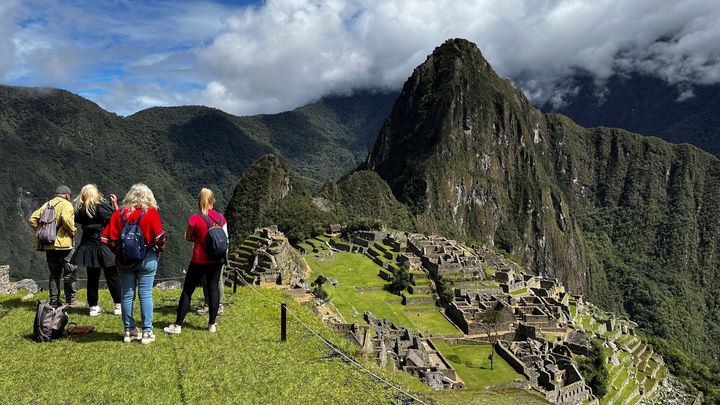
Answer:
(110, 232)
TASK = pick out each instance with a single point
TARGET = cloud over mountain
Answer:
(278, 54)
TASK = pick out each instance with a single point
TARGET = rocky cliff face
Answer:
(470, 156)
(632, 221)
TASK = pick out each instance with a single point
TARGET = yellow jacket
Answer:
(65, 220)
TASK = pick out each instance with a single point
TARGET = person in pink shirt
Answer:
(202, 265)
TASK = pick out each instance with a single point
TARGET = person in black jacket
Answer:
(93, 213)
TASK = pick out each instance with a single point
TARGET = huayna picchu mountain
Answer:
(631, 221)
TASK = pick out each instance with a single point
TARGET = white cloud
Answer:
(8, 10)
(290, 52)
(280, 54)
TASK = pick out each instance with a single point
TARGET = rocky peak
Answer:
(468, 154)
(264, 182)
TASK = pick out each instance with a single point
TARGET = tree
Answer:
(593, 369)
(492, 319)
(318, 290)
(401, 279)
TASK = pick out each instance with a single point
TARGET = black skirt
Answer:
(90, 255)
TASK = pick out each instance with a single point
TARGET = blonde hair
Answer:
(206, 198)
(139, 196)
(88, 199)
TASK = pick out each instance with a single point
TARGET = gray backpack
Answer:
(50, 322)
(47, 230)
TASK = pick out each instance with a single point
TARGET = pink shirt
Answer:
(200, 230)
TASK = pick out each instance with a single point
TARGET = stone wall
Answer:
(6, 287)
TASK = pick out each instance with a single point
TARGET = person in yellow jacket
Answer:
(58, 253)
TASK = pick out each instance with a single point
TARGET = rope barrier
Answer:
(331, 345)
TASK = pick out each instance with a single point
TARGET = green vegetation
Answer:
(49, 137)
(647, 105)
(365, 201)
(245, 359)
(266, 194)
(697, 374)
(401, 279)
(243, 363)
(360, 289)
(318, 290)
(641, 215)
(472, 363)
(593, 369)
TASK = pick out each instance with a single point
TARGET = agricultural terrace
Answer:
(360, 289)
(472, 364)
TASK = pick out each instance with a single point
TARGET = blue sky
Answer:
(249, 57)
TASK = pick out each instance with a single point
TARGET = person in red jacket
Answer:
(201, 265)
(139, 207)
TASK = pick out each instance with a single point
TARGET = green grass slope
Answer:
(360, 289)
(244, 362)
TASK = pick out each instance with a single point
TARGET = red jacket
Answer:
(150, 225)
(200, 230)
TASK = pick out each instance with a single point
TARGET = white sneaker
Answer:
(212, 328)
(147, 338)
(96, 310)
(221, 309)
(131, 335)
(202, 310)
(173, 329)
(117, 311)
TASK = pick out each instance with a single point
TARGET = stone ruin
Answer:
(9, 287)
(399, 348)
(442, 256)
(266, 257)
(550, 369)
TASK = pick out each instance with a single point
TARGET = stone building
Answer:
(549, 368)
(397, 347)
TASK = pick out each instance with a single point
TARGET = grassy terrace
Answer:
(472, 364)
(243, 363)
(384, 247)
(359, 289)
(306, 246)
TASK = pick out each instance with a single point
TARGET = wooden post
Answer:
(283, 322)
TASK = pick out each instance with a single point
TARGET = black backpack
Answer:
(50, 322)
(216, 241)
(132, 241)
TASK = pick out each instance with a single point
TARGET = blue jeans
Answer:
(142, 278)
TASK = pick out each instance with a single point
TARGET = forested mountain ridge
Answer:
(50, 137)
(631, 221)
(678, 113)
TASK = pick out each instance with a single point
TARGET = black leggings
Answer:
(193, 278)
(93, 284)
